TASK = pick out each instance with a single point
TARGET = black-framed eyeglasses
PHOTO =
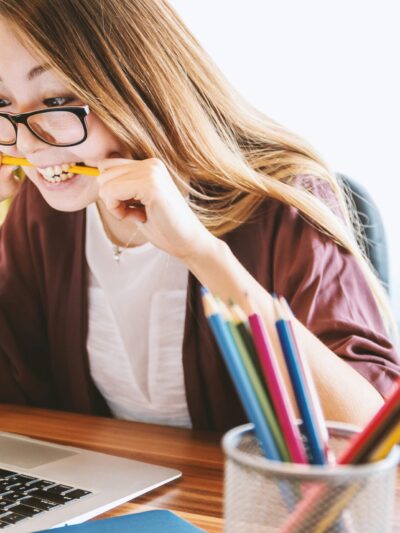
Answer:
(58, 126)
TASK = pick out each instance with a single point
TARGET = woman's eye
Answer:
(4, 103)
(58, 101)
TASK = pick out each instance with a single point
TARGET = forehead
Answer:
(13, 53)
(16, 62)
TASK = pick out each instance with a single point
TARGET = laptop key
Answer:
(4, 505)
(21, 489)
(23, 478)
(12, 497)
(41, 484)
(39, 504)
(44, 495)
(77, 493)
(25, 510)
(59, 489)
(6, 473)
(13, 485)
(12, 518)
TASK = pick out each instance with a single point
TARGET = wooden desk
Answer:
(197, 496)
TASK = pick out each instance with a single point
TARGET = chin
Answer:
(66, 207)
(65, 204)
(73, 195)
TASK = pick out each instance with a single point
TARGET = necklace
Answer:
(117, 250)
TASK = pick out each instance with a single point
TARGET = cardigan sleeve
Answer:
(329, 294)
(24, 362)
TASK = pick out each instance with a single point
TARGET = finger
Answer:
(124, 188)
(137, 213)
(114, 203)
(9, 183)
(8, 188)
(110, 168)
(121, 211)
(112, 162)
(116, 172)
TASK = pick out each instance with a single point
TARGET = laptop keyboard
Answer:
(23, 496)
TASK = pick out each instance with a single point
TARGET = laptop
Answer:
(44, 485)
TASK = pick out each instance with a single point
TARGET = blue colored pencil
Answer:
(238, 375)
(310, 385)
(315, 444)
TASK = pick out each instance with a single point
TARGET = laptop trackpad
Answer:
(27, 454)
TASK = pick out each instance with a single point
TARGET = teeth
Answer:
(49, 172)
(57, 173)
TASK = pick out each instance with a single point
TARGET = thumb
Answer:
(9, 182)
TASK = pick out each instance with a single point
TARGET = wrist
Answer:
(205, 251)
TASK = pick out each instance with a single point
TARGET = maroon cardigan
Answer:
(44, 312)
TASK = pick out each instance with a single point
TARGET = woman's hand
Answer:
(9, 183)
(168, 221)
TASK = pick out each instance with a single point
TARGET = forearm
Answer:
(345, 394)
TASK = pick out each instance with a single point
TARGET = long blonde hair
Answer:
(143, 73)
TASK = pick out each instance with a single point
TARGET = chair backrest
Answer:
(371, 220)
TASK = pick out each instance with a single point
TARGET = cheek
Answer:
(99, 143)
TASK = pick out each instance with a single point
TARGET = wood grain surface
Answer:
(196, 497)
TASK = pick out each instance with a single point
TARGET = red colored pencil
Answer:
(360, 445)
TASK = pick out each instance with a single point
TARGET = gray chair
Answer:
(371, 220)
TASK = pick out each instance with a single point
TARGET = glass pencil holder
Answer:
(268, 496)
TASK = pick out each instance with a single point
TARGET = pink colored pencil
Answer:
(276, 388)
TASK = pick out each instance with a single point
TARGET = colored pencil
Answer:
(238, 375)
(383, 449)
(362, 443)
(328, 511)
(242, 323)
(276, 387)
(257, 385)
(310, 385)
(358, 450)
(316, 446)
(22, 162)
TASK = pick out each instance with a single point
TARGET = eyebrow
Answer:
(36, 71)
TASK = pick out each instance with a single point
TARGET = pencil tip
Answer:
(204, 290)
(277, 306)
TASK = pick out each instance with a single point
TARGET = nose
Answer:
(27, 143)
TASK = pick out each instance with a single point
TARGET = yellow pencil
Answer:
(20, 161)
(390, 440)
(337, 504)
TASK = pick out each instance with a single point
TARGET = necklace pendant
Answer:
(117, 253)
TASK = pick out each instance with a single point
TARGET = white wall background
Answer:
(329, 70)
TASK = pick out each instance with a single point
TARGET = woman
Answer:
(100, 302)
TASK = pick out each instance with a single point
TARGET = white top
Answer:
(136, 322)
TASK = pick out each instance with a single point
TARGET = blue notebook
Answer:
(147, 522)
